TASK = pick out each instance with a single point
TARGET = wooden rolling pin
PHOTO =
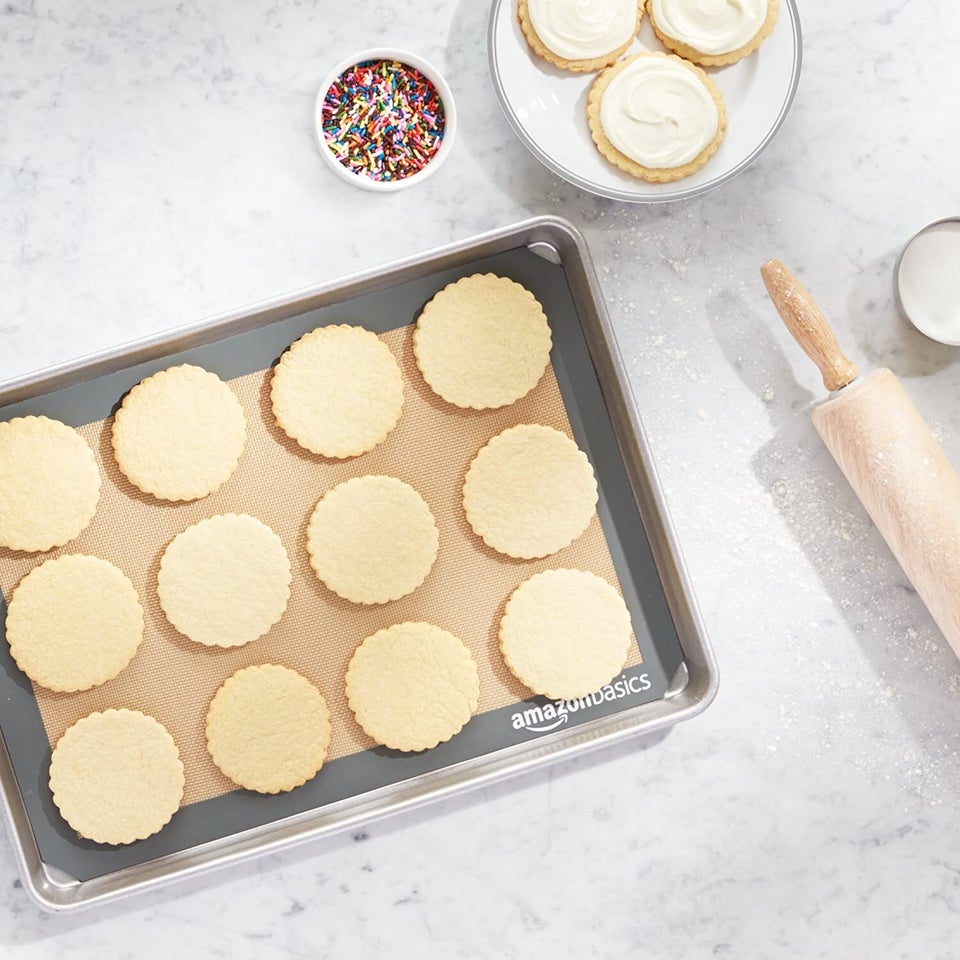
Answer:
(887, 453)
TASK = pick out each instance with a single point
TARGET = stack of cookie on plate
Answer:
(224, 580)
(657, 116)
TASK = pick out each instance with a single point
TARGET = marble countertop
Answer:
(156, 166)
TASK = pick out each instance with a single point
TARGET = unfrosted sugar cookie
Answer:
(713, 34)
(579, 35)
(565, 633)
(116, 776)
(372, 539)
(482, 342)
(74, 622)
(412, 686)
(179, 434)
(529, 492)
(49, 483)
(656, 116)
(224, 581)
(337, 391)
(268, 728)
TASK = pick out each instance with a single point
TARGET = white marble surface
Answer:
(156, 166)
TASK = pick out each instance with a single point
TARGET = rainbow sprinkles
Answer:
(383, 119)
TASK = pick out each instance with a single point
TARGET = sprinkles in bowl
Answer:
(383, 120)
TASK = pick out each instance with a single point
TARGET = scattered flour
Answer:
(769, 527)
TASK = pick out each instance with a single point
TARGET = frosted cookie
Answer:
(412, 686)
(49, 484)
(529, 492)
(337, 391)
(74, 622)
(656, 116)
(713, 34)
(372, 539)
(179, 434)
(116, 776)
(579, 35)
(224, 581)
(482, 342)
(565, 633)
(268, 728)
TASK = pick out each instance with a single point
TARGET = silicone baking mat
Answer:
(173, 679)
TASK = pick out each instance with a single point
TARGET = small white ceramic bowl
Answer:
(926, 288)
(449, 112)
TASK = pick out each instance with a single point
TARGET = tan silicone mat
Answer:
(173, 679)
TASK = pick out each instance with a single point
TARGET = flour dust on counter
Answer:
(832, 567)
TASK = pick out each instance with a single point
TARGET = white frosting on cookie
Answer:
(658, 112)
(583, 29)
(710, 26)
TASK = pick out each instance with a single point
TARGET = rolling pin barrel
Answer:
(887, 453)
(906, 483)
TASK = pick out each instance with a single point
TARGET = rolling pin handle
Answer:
(807, 324)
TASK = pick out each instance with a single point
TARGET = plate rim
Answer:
(613, 193)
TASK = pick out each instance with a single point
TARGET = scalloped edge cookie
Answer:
(250, 597)
(344, 415)
(149, 438)
(372, 539)
(565, 633)
(49, 484)
(90, 794)
(412, 686)
(74, 622)
(511, 472)
(489, 372)
(717, 59)
(627, 164)
(574, 66)
(268, 728)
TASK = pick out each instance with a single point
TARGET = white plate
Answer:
(547, 107)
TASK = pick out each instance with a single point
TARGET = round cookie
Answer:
(565, 633)
(224, 581)
(49, 484)
(179, 434)
(576, 36)
(529, 492)
(337, 391)
(372, 539)
(268, 728)
(656, 116)
(116, 776)
(482, 342)
(74, 622)
(713, 35)
(412, 686)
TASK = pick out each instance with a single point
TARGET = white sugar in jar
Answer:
(927, 281)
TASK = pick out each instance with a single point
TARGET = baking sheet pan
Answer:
(676, 678)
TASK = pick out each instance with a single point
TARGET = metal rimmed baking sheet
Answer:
(676, 679)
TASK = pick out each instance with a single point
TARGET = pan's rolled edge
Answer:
(906, 483)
